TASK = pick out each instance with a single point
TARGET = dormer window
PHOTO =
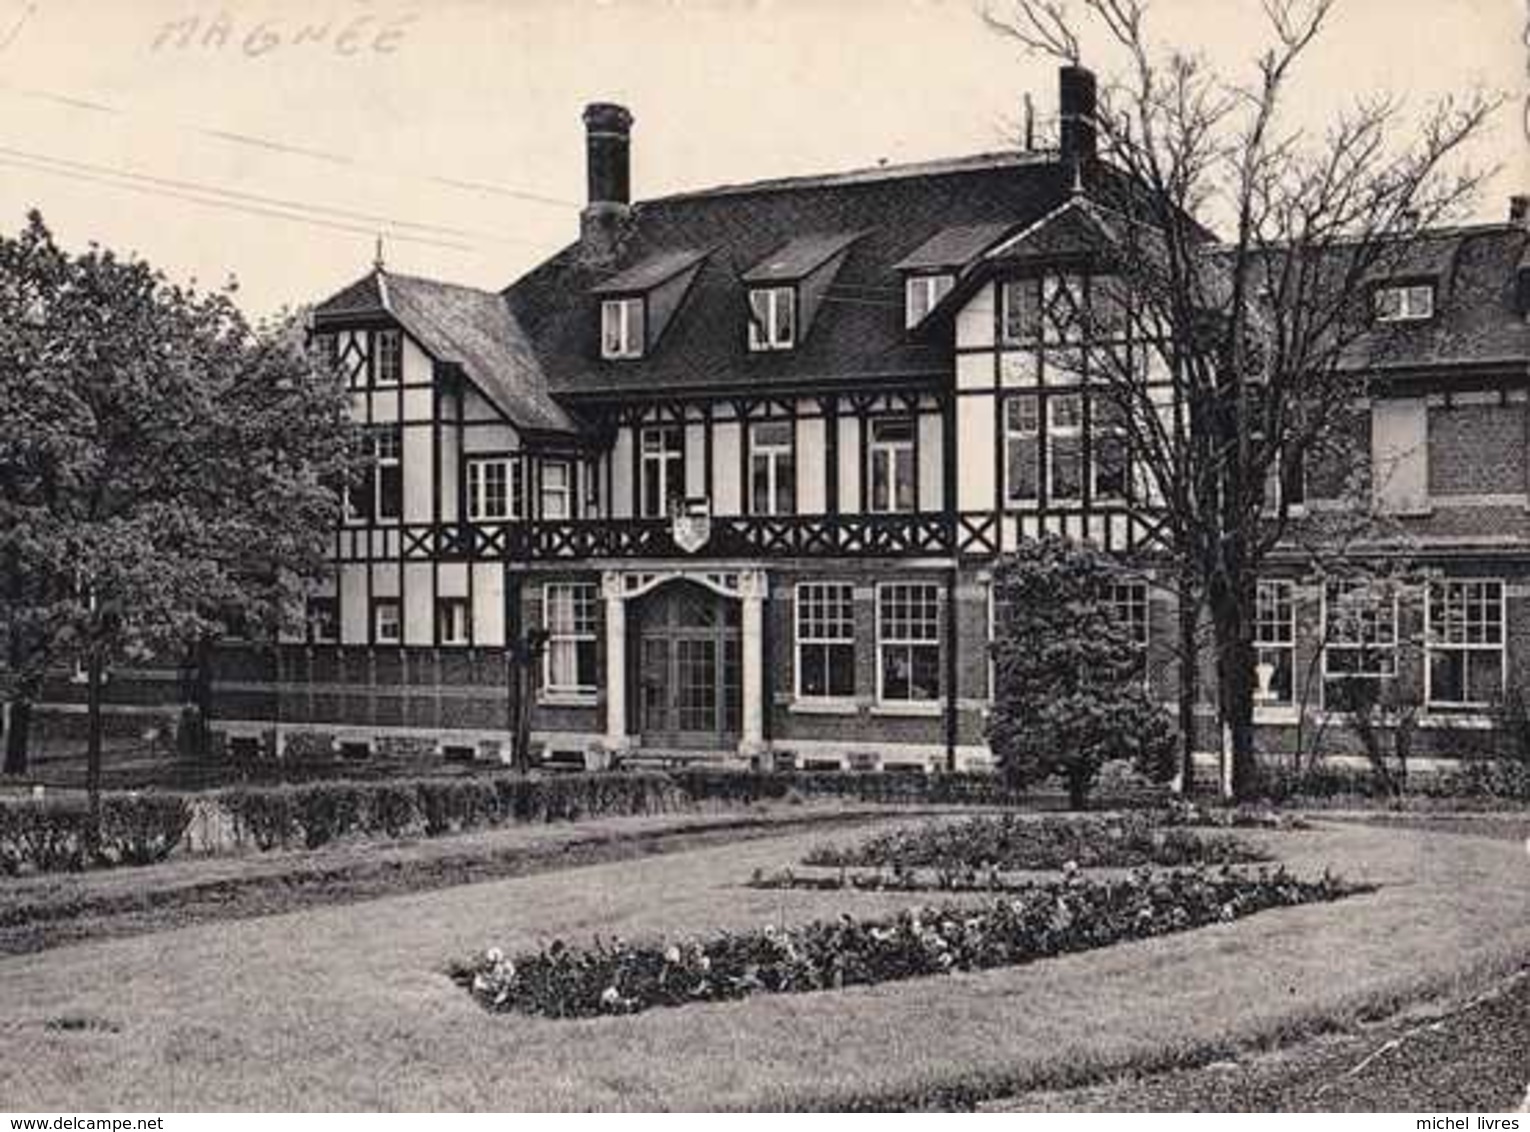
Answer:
(1412, 302)
(772, 318)
(921, 294)
(621, 328)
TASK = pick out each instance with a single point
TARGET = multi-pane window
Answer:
(493, 485)
(825, 640)
(1465, 640)
(772, 318)
(1020, 320)
(772, 473)
(1129, 607)
(1360, 639)
(1065, 447)
(1062, 300)
(387, 621)
(892, 464)
(1110, 464)
(323, 620)
(1022, 448)
(1410, 303)
(452, 621)
(557, 489)
(908, 642)
(377, 493)
(390, 357)
(621, 328)
(662, 469)
(922, 293)
(1274, 641)
(570, 618)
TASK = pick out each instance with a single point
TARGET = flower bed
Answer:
(1008, 842)
(1075, 914)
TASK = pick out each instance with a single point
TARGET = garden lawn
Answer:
(350, 1007)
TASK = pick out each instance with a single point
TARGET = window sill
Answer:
(568, 699)
(919, 709)
(824, 707)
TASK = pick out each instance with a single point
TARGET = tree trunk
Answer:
(1078, 791)
(93, 747)
(1235, 687)
(18, 734)
(1189, 690)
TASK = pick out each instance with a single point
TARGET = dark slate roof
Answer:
(799, 257)
(650, 273)
(859, 333)
(955, 246)
(1477, 318)
(472, 328)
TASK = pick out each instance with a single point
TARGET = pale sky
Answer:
(453, 126)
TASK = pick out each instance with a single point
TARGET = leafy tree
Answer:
(1069, 687)
(167, 471)
(1262, 335)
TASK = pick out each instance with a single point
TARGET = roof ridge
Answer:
(870, 174)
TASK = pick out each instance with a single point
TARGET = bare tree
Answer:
(1244, 350)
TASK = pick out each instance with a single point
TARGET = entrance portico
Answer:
(706, 673)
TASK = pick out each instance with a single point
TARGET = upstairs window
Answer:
(557, 489)
(377, 494)
(772, 474)
(1065, 447)
(772, 318)
(1021, 313)
(1022, 448)
(662, 469)
(892, 464)
(493, 485)
(621, 328)
(390, 357)
(1413, 302)
(922, 293)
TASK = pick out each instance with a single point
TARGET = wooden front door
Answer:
(691, 680)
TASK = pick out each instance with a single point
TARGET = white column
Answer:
(752, 588)
(616, 661)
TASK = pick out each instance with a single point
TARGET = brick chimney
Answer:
(1519, 210)
(1076, 105)
(608, 132)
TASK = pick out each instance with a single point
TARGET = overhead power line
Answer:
(217, 202)
(271, 205)
(295, 149)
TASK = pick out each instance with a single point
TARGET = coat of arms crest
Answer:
(691, 525)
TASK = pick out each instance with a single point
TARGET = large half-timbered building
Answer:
(746, 455)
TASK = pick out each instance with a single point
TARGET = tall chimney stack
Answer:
(607, 132)
(1519, 209)
(1076, 105)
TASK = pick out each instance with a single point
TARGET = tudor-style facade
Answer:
(746, 456)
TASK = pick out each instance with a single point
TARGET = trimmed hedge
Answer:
(54, 834)
(1490, 780)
